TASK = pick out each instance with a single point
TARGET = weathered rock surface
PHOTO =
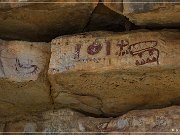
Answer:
(98, 74)
(65, 120)
(149, 12)
(43, 21)
(23, 76)
(111, 73)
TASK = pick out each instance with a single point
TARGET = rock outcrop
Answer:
(67, 121)
(82, 66)
(149, 12)
(100, 73)
(43, 21)
(38, 21)
(112, 73)
(23, 77)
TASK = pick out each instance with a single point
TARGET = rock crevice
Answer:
(118, 69)
(101, 73)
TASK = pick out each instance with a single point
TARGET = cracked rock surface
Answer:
(43, 21)
(112, 73)
(89, 66)
(98, 73)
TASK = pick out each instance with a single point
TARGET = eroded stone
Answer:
(23, 79)
(111, 73)
(43, 21)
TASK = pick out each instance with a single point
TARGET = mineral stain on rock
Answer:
(106, 79)
(128, 77)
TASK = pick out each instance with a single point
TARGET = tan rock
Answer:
(23, 79)
(43, 21)
(157, 13)
(111, 73)
(67, 121)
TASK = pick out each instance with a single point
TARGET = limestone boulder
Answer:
(149, 13)
(66, 121)
(111, 73)
(43, 21)
(23, 77)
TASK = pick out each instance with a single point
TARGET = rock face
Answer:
(90, 82)
(100, 73)
(43, 21)
(149, 13)
(65, 120)
(23, 76)
(25, 20)
(111, 73)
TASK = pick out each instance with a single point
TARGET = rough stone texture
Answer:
(65, 120)
(23, 76)
(43, 21)
(98, 74)
(111, 73)
(151, 13)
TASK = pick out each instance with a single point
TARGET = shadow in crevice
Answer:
(101, 19)
(106, 19)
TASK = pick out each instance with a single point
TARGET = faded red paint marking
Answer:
(153, 56)
(141, 46)
(93, 49)
(31, 69)
(144, 51)
(108, 48)
(77, 51)
(122, 44)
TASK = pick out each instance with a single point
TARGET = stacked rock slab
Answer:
(164, 120)
(23, 77)
(43, 21)
(149, 12)
(111, 73)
